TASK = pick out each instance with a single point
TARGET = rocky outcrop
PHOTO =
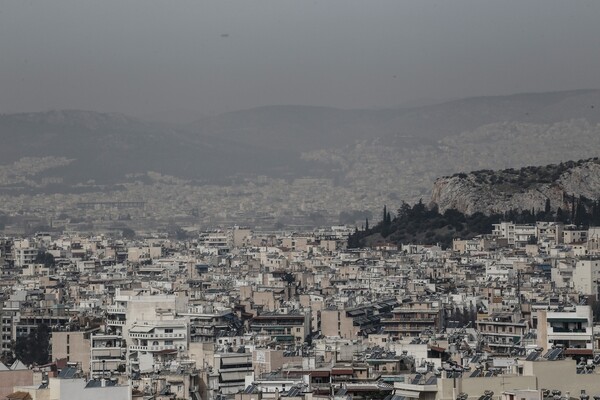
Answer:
(525, 189)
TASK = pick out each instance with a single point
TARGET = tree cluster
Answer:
(423, 225)
(35, 347)
(43, 257)
(420, 224)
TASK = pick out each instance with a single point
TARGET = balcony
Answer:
(107, 353)
(152, 348)
(116, 310)
(157, 335)
(392, 329)
(411, 320)
(567, 330)
(569, 335)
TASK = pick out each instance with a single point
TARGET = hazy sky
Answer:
(168, 59)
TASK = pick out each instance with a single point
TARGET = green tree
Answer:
(34, 348)
(128, 233)
(43, 257)
(288, 278)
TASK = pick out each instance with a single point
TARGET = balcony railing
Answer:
(116, 310)
(157, 335)
(152, 348)
(567, 330)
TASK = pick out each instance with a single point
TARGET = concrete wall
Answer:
(10, 379)
(69, 389)
(562, 375)
(336, 323)
(475, 387)
(74, 346)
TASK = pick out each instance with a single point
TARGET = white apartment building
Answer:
(586, 276)
(572, 234)
(572, 329)
(158, 336)
(24, 252)
(518, 235)
(505, 230)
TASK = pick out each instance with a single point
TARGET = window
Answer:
(168, 330)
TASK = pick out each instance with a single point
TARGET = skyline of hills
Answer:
(395, 152)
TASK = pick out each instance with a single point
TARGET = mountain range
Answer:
(401, 150)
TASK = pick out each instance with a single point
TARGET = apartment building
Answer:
(503, 333)
(571, 329)
(413, 318)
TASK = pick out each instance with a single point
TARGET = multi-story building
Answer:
(573, 234)
(571, 329)
(505, 230)
(151, 338)
(72, 346)
(586, 277)
(229, 374)
(107, 354)
(503, 333)
(518, 235)
(286, 328)
(352, 322)
(412, 319)
(206, 327)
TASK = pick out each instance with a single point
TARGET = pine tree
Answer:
(596, 213)
(367, 224)
(581, 216)
(573, 208)
(560, 216)
(547, 207)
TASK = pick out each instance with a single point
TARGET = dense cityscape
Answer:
(299, 200)
(246, 314)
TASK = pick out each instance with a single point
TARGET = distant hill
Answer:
(105, 147)
(396, 152)
(454, 117)
(309, 128)
(467, 204)
(529, 188)
(299, 127)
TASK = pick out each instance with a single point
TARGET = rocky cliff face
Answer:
(499, 191)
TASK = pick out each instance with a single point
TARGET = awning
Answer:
(578, 352)
(318, 374)
(235, 360)
(340, 371)
(283, 338)
(408, 393)
(437, 348)
(234, 376)
(141, 329)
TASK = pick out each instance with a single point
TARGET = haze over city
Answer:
(299, 200)
(179, 61)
